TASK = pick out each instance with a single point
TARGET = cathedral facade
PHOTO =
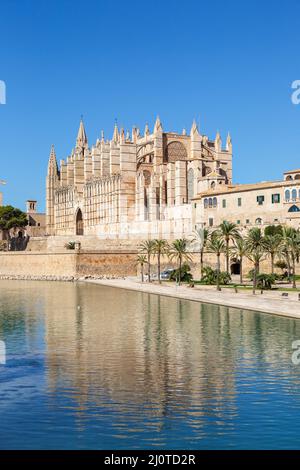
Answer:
(135, 185)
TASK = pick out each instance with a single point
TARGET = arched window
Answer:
(147, 177)
(287, 195)
(213, 185)
(258, 221)
(176, 151)
(190, 184)
(210, 202)
(294, 209)
(297, 177)
(146, 204)
(205, 203)
(289, 178)
(294, 195)
(215, 202)
(79, 223)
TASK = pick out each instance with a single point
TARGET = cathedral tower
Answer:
(52, 180)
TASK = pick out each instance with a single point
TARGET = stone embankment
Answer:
(55, 278)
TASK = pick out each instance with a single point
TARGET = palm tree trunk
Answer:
(142, 272)
(272, 263)
(255, 277)
(149, 268)
(201, 264)
(227, 256)
(294, 274)
(218, 272)
(158, 267)
(289, 268)
(180, 261)
(241, 270)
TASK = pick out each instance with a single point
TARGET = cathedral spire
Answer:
(228, 143)
(157, 126)
(146, 132)
(52, 163)
(218, 142)
(116, 133)
(81, 140)
(122, 135)
(194, 129)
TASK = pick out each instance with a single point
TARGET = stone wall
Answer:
(107, 264)
(67, 265)
(110, 263)
(31, 264)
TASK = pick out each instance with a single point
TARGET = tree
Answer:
(228, 232)
(147, 248)
(11, 217)
(255, 254)
(273, 230)
(160, 247)
(240, 251)
(293, 246)
(284, 249)
(201, 236)
(142, 260)
(272, 245)
(217, 246)
(178, 251)
(255, 241)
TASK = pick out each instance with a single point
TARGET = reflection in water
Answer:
(97, 367)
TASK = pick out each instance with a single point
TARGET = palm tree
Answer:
(141, 260)
(228, 232)
(240, 251)
(255, 240)
(293, 246)
(217, 246)
(178, 251)
(287, 235)
(272, 245)
(160, 248)
(255, 255)
(201, 236)
(147, 247)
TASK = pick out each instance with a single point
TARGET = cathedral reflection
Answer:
(118, 349)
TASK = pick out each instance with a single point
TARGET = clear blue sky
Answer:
(228, 64)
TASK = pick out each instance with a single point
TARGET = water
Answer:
(92, 367)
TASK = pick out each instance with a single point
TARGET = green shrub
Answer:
(186, 275)
(265, 281)
(210, 277)
(224, 277)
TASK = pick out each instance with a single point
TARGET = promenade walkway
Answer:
(268, 302)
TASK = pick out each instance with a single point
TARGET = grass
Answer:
(248, 287)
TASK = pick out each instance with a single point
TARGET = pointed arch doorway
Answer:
(79, 223)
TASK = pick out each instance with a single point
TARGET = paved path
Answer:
(268, 302)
